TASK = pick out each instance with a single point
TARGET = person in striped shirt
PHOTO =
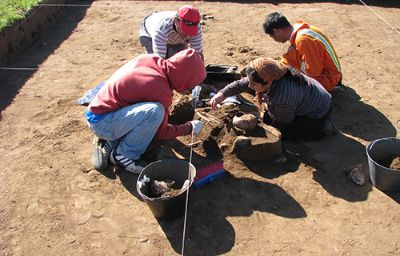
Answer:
(295, 104)
(168, 32)
(310, 51)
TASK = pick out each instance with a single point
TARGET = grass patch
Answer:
(13, 10)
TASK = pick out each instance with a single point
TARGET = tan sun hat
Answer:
(268, 69)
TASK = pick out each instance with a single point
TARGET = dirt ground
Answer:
(52, 202)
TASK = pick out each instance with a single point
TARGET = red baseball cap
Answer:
(189, 19)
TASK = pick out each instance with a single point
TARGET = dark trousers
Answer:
(302, 127)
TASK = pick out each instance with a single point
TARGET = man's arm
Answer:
(196, 42)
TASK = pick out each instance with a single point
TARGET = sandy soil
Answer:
(53, 203)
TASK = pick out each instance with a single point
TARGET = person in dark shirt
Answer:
(296, 104)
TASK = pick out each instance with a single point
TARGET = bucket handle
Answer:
(370, 146)
(185, 185)
(143, 181)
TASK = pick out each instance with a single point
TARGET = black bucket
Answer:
(166, 208)
(222, 73)
(382, 177)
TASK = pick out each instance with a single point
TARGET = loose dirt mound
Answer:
(219, 136)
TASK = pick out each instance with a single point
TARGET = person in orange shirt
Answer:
(310, 51)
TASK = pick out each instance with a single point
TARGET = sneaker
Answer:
(133, 166)
(101, 153)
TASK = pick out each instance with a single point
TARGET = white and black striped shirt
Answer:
(159, 26)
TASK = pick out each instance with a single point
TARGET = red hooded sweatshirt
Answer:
(150, 78)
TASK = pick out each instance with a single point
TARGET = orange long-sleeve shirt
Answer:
(312, 53)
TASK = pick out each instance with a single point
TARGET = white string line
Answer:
(39, 6)
(189, 178)
(30, 15)
(379, 16)
(108, 5)
(85, 5)
(82, 69)
(61, 69)
(187, 191)
(82, 5)
(19, 69)
(43, 68)
(119, 5)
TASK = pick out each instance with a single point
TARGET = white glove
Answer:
(196, 92)
(197, 126)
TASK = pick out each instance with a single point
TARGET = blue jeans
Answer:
(133, 127)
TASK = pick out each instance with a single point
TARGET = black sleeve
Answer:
(236, 87)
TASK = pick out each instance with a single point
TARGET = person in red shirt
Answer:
(133, 107)
(310, 51)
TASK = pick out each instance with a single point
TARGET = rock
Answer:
(245, 122)
(356, 175)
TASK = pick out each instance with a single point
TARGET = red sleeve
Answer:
(168, 131)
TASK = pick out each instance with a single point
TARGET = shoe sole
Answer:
(99, 158)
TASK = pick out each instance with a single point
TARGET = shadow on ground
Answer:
(11, 81)
(208, 231)
(394, 196)
(333, 155)
(356, 118)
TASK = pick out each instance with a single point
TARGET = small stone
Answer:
(357, 176)
(81, 217)
(143, 240)
(245, 122)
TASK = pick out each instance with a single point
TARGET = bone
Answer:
(207, 117)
